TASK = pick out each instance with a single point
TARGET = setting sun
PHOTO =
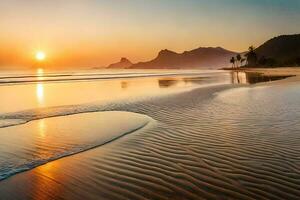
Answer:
(40, 56)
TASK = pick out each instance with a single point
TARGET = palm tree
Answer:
(238, 58)
(232, 60)
(251, 48)
(251, 57)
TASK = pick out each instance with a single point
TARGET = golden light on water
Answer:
(41, 128)
(40, 72)
(40, 93)
(40, 87)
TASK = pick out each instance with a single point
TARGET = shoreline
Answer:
(280, 71)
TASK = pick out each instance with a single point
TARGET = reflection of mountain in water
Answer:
(252, 78)
(194, 79)
(164, 83)
(124, 84)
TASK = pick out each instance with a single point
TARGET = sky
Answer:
(94, 33)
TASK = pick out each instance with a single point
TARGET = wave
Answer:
(92, 130)
(40, 78)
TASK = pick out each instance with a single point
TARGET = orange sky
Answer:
(95, 33)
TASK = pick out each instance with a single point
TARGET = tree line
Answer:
(251, 59)
(247, 59)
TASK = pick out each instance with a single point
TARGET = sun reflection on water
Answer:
(40, 87)
(42, 128)
(40, 94)
(40, 71)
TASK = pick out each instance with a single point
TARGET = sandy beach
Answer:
(150, 100)
(216, 142)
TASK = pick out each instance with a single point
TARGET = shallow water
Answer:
(23, 102)
(253, 78)
(26, 146)
(110, 87)
(212, 142)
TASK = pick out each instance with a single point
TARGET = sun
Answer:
(40, 56)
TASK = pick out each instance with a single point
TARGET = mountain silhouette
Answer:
(203, 57)
(283, 50)
(123, 63)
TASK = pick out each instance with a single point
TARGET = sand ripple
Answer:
(203, 147)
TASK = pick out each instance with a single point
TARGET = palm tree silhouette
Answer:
(251, 48)
(238, 58)
(251, 56)
(232, 60)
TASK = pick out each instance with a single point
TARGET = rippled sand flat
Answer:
(26, 146)
(209, 143)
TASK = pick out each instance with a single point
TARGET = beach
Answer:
(150, 100)
(205, 139)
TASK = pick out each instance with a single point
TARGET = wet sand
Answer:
(219, 142)
(29, 145)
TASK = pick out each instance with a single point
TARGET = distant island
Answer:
(203, 57)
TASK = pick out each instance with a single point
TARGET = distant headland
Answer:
(203, 57)
(281, 51)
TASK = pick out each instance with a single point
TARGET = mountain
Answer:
(282, 50)
(123, 63)
(208, 57)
